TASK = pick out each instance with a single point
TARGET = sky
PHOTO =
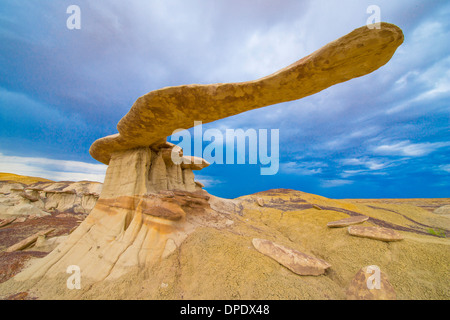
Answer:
(384, 135)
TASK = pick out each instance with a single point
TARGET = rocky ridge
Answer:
(43, 198)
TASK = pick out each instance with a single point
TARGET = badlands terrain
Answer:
(229, 253)
(152, 232)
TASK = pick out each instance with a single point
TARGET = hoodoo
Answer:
(149, 205)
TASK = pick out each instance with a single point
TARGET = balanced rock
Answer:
(376, 233)
(126, 229)
(296, 261)
(347, 222)
(370, 283)
(157, 114)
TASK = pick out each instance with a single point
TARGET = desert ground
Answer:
(219, 258)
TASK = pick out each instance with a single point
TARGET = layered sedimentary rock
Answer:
(137, 219)
(218, 260)
(150, 201)
(46, 197)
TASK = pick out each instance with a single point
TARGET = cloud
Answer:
(444, 167)
(302, 168)
(406, 148)
(58, 170)
(370, 164)
(208, 181)
(335, 183)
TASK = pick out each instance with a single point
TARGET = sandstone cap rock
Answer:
(156, 115)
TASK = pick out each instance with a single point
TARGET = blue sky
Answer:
(385, 135)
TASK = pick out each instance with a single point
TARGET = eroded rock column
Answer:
(140, 217)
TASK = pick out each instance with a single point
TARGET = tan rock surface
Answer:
(444, 210)
(359, 289)
(260, 202)
(216, 260)
(136, 220)
(45, 197)
(157, 114)
(347, 221)
(28, 241)
(376, 233)
(5, 222)
(296, 261)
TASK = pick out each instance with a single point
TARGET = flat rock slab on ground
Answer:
(28, 241)
(294, 260)
(6, 222)
(347, 222)
(370, 283)
(376, 233)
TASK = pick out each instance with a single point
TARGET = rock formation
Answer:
(29, 241)
(444, 210)
(296, 261)
(347, 222)
(150, 203)
(360, 290)
(155, 116)
(45, 197)
(218, 260)
(376, 233)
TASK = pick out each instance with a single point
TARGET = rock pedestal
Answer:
(149, 202)
(140, 217)
(145, 170)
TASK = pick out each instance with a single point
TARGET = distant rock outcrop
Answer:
(444, 210)
(42, 198)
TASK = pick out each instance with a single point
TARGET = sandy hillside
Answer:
(22, 179)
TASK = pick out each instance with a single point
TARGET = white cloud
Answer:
(335, 183)
(445, 167)
(58, 170)
(351, 137)
(426, 30)
(369, 164)
(303, 168)
(208, 181)
(350, 173)
(406, 148)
